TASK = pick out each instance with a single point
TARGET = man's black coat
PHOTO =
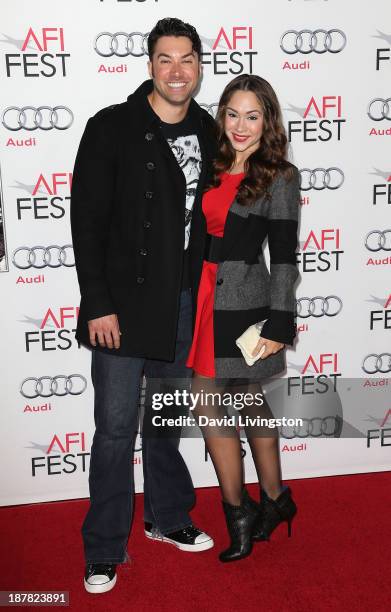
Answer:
(127, 218)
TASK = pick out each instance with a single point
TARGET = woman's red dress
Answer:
(215, 205)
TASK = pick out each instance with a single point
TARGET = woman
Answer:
(253, 194)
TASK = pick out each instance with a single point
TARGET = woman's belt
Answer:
(213, 248)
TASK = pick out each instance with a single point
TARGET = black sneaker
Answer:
(189, 539)
(100, 577)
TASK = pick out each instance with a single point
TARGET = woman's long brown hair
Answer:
(270, 158)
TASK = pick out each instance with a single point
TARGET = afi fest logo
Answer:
(381, 190)
(380, 319)
(56, 331)
(325, 125)
(320, 251)
(381, 436)
(41, 53)
(310, 42)
(48, 197)
(231, 51)
(65, 454)
(325, 366)
(383, 53)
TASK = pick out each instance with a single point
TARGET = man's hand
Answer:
(106, 329)
(271, 347)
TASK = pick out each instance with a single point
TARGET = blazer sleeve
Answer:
(91, 206)
(282, 240)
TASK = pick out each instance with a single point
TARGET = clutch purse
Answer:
(248, 341)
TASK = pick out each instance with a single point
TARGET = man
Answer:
(137, 234)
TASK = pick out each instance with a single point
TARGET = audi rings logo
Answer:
(317, 41)
(40, 118)
(52, 256)
(378, 240)
(318, 306)
(379, 109)
(317, 427)
(321, 178)
(121, 44)
(373, 363)
(47, 386)
(211, 108)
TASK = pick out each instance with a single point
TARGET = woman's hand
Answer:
(271, 347)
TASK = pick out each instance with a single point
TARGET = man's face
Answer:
(175, 69)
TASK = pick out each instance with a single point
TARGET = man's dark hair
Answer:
(170, 26)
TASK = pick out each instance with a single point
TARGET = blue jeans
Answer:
(168, 488)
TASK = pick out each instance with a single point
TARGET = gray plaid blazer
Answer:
(246, 292)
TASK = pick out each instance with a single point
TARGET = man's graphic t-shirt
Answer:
(185, 146)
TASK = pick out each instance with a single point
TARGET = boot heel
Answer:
(274, 512)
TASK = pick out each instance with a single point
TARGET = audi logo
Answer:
(318, 306)
(42, 118)
(121, 44)
(52, 256)
(211, 108)
(317, 41)
(47, 386)
(329, 426)
(379, 109)
(376, 240)
(321, 178)
(377, 363)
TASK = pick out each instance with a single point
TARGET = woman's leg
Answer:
(223, 442)
(264, 444)
(266, 455)
(277, 504)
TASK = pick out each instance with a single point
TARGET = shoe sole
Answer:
(100, 588)
(256, 539)
(236, 558)
(185, 547)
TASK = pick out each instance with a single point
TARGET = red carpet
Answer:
(339, 555)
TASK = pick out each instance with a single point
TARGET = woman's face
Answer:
(243, 121)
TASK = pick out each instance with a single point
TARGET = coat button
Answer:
(147, 224)
(143, 252)
(140, 280)
(219, 281)
(148, 195)
(150, 166)
(148, 136)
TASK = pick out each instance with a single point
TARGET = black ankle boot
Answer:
(240, 521)
(273, 512)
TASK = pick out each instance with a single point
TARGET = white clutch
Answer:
(248, 341)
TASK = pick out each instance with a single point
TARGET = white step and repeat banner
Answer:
(330, 63)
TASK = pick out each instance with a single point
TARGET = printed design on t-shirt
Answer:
(188, 155)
